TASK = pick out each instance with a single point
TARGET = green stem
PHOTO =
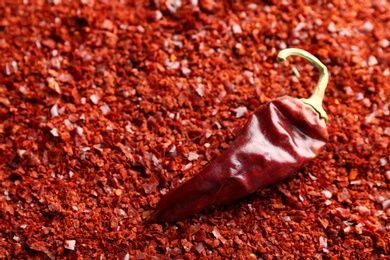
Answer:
(316, 98)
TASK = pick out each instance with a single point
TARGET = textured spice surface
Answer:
(107, 105)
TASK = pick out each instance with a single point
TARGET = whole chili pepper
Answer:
(279, 138)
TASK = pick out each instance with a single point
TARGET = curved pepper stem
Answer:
(316, 98)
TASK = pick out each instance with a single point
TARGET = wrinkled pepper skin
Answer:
(278, 139)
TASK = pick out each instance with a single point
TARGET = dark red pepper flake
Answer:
(42, 247)
(343, 213)
(299, 216)
(200, 235)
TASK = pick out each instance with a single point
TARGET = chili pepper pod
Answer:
(278, 139)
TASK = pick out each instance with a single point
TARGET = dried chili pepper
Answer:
(279, 138)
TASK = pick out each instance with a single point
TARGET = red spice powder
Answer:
(105, 106)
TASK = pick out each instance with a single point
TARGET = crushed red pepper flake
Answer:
(104, 103)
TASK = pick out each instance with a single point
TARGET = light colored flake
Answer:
(372, 61)
(173, 5)
(384, 43)
(240, 111)
(368, 26)
(252, 6)
(70, 244)
(331, 27)
(327, 194)
(105, 109)
(79, 130)
(54, 132)
(21, 152)
(236, 29)
(323, 242)
(192, 156)
(94, 99)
